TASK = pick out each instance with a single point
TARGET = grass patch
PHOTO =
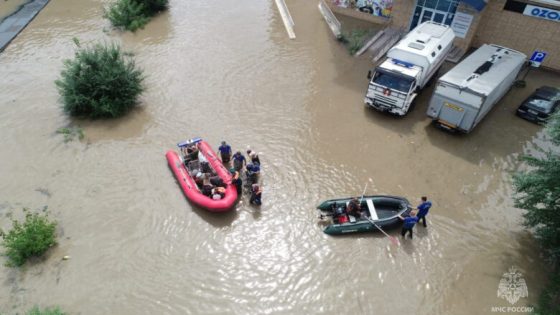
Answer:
(131, 15)
(30, 238)
(46, 311)
(71, 133)
(101, 81)
(354, 40)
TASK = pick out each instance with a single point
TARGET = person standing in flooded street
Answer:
(408, 224)
(225, 152)
(423, 209)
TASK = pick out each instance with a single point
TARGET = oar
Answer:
(393, 240)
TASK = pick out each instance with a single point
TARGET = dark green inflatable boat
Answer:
(383, 210)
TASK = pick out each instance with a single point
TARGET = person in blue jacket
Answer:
(408, 223)
(423, 209)
(225, 152)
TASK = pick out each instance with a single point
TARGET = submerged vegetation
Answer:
(354, 40)
(70, 133)
(131, 15)
(100, 82)
(538, 192)
(47, 311)
(30, 238)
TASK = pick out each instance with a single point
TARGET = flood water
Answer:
(229, 72)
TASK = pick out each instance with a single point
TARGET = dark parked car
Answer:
(540, 105)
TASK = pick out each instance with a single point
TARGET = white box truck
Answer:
(465, 94)
(409, 65)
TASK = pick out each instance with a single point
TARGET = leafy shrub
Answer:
(127, 14)
(47, 311)
(100, 82)
(538, 193)
(154, 6)
(134, 14)
(32, 238)
(353, 40)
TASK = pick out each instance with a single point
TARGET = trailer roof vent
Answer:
(423, 38)
(416, 45)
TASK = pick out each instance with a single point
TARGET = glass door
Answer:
(432, 15)
(439, 11)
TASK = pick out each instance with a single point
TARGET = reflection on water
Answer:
(138, 246)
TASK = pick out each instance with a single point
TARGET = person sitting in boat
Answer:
(217, 181)
(239, 161)
(205, 167)
(198, 179)
(191, 153)
(206, 185)
(225, 152)
(207, 190)
(236, 180)
(354, 208)
(253, 171)
(256, 194)
(219, 191)
(253, 156)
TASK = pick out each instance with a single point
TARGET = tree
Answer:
(100, 82)
(538, 192)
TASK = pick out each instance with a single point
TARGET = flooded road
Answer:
(228, 72)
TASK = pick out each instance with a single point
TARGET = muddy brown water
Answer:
(225, 71)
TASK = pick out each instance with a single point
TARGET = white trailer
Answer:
(465, 94)
(410, 64)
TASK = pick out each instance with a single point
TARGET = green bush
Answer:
(47, 311)
(353, 40)
(538, 193)
(100, 82)
(131, 15)
(154, 6)
(32, 238)
(127, 14)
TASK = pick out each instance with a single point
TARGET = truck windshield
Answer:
(392, 81)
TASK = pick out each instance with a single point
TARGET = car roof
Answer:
(548, 92)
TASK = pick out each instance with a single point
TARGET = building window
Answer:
(439, 11)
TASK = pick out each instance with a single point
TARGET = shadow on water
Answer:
(399, 124)
(156, 32)
(216, 219)
(132, 125)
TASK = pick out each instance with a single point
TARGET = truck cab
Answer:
(410, 64)
(393, 86)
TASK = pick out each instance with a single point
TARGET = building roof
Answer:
(485, 69)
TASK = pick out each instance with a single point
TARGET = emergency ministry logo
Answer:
(512, 286)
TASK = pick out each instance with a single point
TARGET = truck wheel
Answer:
(412, 106)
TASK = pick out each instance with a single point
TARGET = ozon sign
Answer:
(543, 13)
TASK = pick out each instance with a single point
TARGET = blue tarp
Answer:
(477, 4)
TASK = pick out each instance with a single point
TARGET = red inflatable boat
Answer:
(188, 184)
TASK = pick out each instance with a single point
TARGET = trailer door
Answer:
(451, 115)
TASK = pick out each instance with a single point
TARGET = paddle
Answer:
(393, 240)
